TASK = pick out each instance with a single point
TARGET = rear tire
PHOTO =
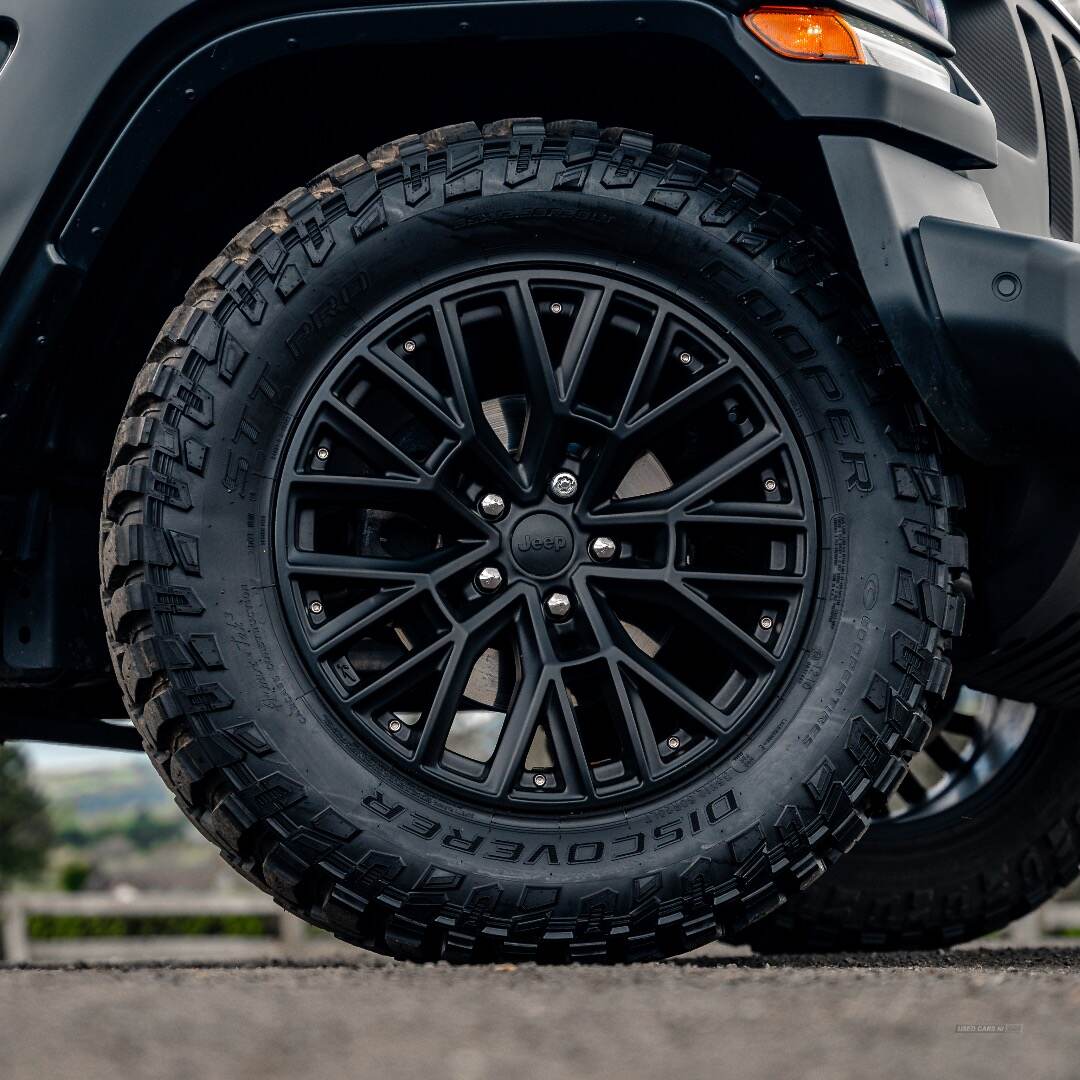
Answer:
(727, 696)
(933, 877)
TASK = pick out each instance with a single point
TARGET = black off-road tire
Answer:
(939, 879)
(247, 739)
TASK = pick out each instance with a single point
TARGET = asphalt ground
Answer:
(712, 1014)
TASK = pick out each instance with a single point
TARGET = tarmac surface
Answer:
(715, 1013)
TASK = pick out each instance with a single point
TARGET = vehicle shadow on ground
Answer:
(965, 959)
(980, 958)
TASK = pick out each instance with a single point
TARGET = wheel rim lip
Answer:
(751, 366)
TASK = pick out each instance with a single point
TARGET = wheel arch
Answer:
(100, 287)
(255, 132)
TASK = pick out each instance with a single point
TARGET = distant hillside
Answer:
(110, 792)
(117, 825)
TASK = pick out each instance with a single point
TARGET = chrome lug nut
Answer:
(539, 779)
(394, 726)
(322, 453)
(558, 605)
(686, 358)
(556, 308)
(770, 484)
(490, 579)
(493, 506)
(603, 548)
(564, 485)
(409, 346)
(765, 622)
(315, 607)
(673, 742)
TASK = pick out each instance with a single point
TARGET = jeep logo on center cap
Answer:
(542, 544)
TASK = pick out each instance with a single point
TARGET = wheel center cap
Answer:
(542, 544)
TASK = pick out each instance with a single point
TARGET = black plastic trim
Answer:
(883, 193)
(95, 733)
(983, 320)
(1008, 302)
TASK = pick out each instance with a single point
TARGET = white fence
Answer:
(290, 939)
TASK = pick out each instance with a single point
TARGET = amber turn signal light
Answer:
(803, 33)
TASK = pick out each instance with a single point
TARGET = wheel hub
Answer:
(542, 545)
(546, 562)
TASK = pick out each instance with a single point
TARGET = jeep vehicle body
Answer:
(135, 140)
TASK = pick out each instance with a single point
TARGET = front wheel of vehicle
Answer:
(520, 544)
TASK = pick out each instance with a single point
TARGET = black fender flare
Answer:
(955, 130)
(41, 281)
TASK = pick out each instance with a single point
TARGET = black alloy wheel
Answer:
(546, 586)
(521, 544)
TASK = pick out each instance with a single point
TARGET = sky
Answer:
(46, 757)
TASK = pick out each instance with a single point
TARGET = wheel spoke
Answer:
(355, 429)
(436, 566)
(638, 576)
(647, 361)
(911, 791)
(566, 740)
(662, 506)
(706, 387)
(491, 456)
(744, 646)
(328, 486)
(390, 571)
(542, 440)
(415, 387)
(580, 348)
(522, 719)
(749, 514)
(944, 756)
(696, 707)
(634, 724)
(755, 583)
(671, 589)
(963, 724)
(360, 617)
(416, 664)
(473, 639)
(439, 717)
